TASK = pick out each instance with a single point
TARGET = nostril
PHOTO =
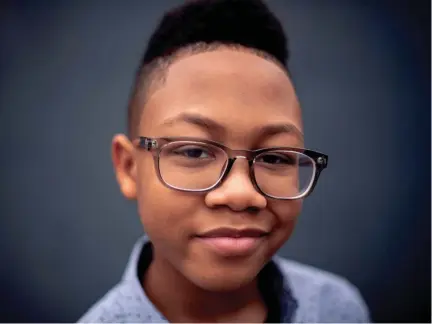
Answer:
(252, 210)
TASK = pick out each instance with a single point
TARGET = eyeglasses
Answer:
(198, 165)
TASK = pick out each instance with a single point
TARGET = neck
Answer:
(179, 300)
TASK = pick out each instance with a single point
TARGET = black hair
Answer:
(202, 25)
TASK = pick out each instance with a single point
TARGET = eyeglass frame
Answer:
(156, 145)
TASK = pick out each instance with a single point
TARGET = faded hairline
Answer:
(152, 76)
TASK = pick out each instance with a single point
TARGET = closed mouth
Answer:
(234, 233)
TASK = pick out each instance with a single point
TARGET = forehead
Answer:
(237, 89)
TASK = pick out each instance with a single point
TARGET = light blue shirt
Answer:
(306, 295)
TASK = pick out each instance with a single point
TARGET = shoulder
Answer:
(322, 296)
(124, 303)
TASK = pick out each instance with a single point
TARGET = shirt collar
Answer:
(272, 279)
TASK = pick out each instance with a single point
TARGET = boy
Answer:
(216, 161)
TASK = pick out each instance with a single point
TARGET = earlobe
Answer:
(124, 163)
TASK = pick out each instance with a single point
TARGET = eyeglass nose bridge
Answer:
(233, 156)
(240, 154)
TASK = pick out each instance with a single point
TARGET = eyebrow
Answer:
(203, 122)
(212, 126)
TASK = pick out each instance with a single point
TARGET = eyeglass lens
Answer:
(198, 166)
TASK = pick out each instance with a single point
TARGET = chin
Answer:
(222, 278)
(224, 284)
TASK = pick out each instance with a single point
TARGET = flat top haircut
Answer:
(200, 26)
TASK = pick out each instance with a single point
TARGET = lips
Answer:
(229, 242)
(233, 233)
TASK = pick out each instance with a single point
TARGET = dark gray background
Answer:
(362, 71)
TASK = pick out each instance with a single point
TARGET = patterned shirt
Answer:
(298, 293)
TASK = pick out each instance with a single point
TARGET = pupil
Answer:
(196, 153)
(271, 159)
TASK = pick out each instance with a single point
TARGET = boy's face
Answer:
(242, 93)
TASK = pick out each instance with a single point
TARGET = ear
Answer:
(123, 157)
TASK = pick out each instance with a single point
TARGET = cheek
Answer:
(286, 213)
(165, 213)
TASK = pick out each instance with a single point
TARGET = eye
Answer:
(277, 159)
(193, 152)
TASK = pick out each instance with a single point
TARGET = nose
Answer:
(237, 191)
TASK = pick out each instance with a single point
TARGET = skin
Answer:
(241, 92)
